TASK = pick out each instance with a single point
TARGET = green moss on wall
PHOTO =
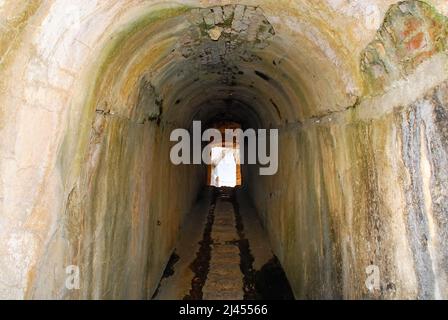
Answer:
(412, 32)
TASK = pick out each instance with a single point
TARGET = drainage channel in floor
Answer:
(223, 265)
(201, 264)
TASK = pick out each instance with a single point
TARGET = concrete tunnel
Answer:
(90, 92)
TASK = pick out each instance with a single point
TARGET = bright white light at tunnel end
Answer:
(257, 147)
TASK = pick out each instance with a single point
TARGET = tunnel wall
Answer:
(365, 192)
(367, 185)
(127, 200)
(93, 186)
(120, 221)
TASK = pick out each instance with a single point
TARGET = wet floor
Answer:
(223, 253)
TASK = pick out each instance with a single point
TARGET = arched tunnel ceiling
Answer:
(287, 65)
(312, 61)
(200, 56)
(229, 51)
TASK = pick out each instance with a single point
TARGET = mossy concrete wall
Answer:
(98, 187)
(363, 192)
(367, 186)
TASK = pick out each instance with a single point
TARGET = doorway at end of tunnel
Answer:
(225, 167)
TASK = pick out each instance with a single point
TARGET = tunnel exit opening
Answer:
(225, 168)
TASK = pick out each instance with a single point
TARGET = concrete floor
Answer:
(225, 265)
(224, 279)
